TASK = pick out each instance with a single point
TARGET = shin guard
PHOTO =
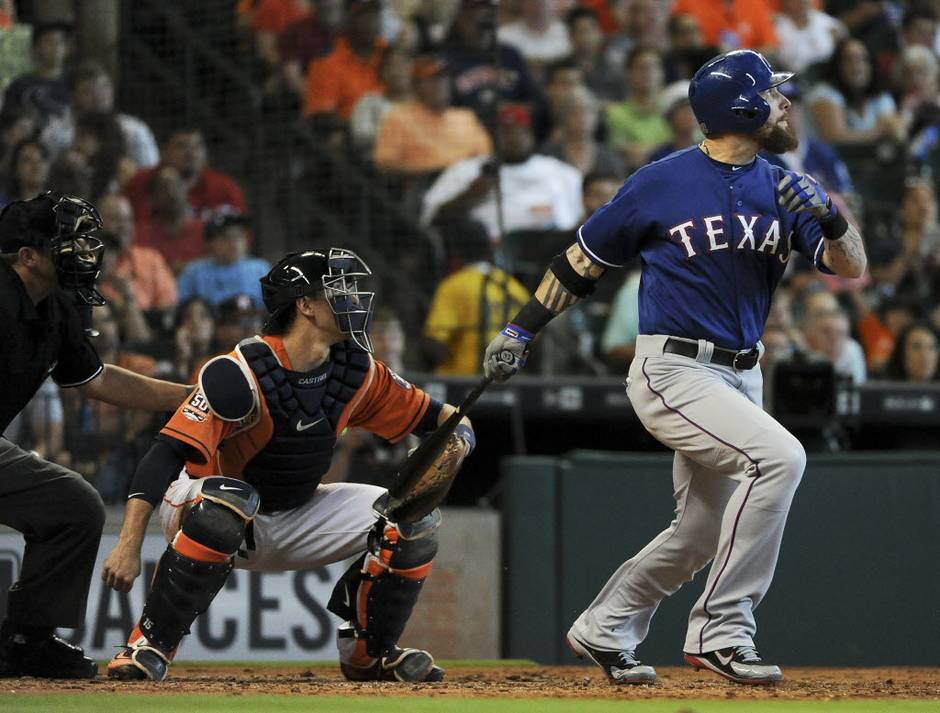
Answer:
(198, 561)
(378, 593)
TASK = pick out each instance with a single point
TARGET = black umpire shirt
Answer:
(38, 340)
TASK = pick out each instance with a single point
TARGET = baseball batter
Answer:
(715, 227)
(256, 437)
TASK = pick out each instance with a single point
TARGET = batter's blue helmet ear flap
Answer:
(725, 92)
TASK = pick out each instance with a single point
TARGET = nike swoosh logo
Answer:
(345, 596)
(722, 660)
(736, 168)
(228, 487)
(301, 426)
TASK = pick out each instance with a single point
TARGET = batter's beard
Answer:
(779, 139)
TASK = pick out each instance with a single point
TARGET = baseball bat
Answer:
(430, 448)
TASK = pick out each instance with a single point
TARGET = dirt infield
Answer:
(515, 682)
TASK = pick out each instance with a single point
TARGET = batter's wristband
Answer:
(835, 227)
(466, 433)
(533, 317)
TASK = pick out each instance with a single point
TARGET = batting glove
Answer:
(507, 353)
(801, 193)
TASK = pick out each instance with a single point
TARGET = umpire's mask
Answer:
(335, 272)
(70, 228)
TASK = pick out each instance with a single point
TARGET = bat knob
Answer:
(506, 356)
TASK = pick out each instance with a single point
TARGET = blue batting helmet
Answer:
(725, 92)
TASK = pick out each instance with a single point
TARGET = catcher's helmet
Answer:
(336, 273)
(725, 92)
(69, 227)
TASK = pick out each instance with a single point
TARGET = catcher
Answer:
(249, 448)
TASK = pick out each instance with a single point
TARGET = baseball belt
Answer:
(742, 361)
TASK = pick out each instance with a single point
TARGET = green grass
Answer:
(90, 703)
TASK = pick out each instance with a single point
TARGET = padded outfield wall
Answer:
(857, 583)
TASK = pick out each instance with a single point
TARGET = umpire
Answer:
(51, 254)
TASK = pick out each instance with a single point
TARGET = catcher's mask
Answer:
(336, 273)
(70, 228)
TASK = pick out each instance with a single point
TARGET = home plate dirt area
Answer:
(494, 680)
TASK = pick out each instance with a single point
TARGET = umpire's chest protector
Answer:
(305, 409)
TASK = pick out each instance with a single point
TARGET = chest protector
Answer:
(305, 409)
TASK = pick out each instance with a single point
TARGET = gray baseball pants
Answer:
(61, 517)
(735, 472)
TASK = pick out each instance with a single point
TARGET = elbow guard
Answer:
(576, 284)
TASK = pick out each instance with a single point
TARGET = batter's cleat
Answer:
(619, 666)
(404, 665)
(741, 664)
(42, 654)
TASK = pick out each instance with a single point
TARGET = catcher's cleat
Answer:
(618, 666)
(139, 660)
(42, 654)
(404, 665)
(741, 664)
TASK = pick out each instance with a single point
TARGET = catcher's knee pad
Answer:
(377, 594)
(215, 526)
(198, 561)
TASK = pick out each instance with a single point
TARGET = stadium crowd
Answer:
(499, 127)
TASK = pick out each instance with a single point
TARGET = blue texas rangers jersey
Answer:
(712, 240)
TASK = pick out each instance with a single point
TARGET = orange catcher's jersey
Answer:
(381, 402)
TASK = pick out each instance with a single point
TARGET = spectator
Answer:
(43, 92)
(539, 36)
(468, 53)
(39, 427)
(13, 131)
(93, 93)
(100, 141)
(812, 155)
(677, 111)
(825, 330)
(915, 355)
(562, 78)
(597, 189)
(807, 35)
(102, 436)
(238, 317)
(428, 134)
(919, 27)
(337, 81)
(371, 109)
(847, 108)
(636, 125)
(587, 51)
(167, 226)
(687, 50)
(143, 269)
(307, 39)
(470, 306)
(272, 17)
(908, 267)
(193, 338)
(29, 175)
(732, 24)
(917, 85)
(618, 342)
(538, 192)
(228, 270)
(71, 174)
(645, 24)
(574, 140)
(204, 189)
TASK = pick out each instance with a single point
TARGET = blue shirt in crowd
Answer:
(215, 283)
